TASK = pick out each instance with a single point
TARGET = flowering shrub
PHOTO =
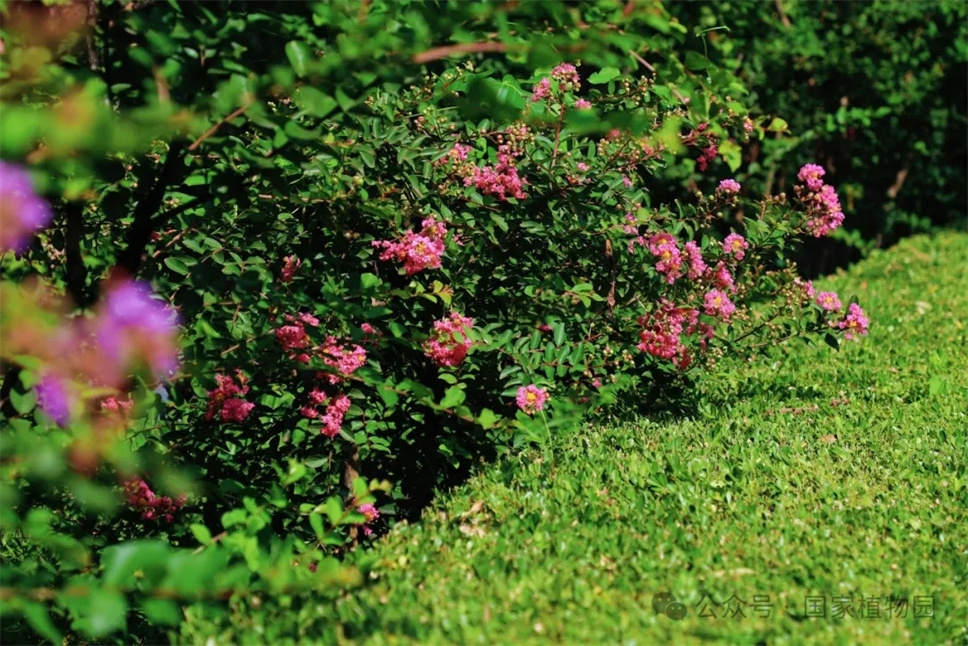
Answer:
(389, 292)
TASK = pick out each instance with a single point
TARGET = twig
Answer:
(462, 48)
(211, 131)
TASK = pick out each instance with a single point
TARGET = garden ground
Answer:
(819, 497)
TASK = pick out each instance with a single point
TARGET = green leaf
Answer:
(316, 522)
(487, 418)
(39, 619)
(299, 55)
(604, 75)
(162, 611)
(315, 102)
(778, 125)
(177, 265)
(201, 533)
(100, 613)
(453, 397)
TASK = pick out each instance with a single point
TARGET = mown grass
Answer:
(811, 473)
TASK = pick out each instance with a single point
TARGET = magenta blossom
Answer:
(829, 301)
(697, 267)
(542, 90)
(22, 211)
(228, 399)
(531, 399)
(855, 323)
(449, 344)
(735, 245)
(371, 513)
(153, 507)
(728, 187)
(717, 304)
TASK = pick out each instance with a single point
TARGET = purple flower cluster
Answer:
(22, 211)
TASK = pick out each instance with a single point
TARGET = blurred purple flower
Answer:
(133, 326)
(22, 211)
(54, 399)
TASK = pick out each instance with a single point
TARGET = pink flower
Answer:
(748, 124)
(501, 180)
(824, 213)
(583, 104)
(140, 496)
(531, 399)
(728, 186)
(333, 419)
(735, 245)
(289, 267)
(371, 513)
(855, 323)
(626, 181)
(567, 75)
(542, 90)
(810, 174)
(345, 361)
(582, 166)
(721, 277)
(664, 247)
(227, 399)
(418, 251)
(829, 301)
(718, 304)
(662, 332)
(697, 267)
(450, 343)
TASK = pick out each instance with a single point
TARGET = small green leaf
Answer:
(201, 533)
(453, 397)
(604, 75)
(299, 56)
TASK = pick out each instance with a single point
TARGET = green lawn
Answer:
(839, 476)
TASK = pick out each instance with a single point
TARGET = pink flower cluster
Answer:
(371, 513)
(697, 266)
(664, 328)
(140, 496)
(854, 323)
(289, 267)
(449, 344)
(828, 301)
(345, 361)
(531, 399)
(293, 337)
(417, 251)
(735, 245)
(664, 247)
(806, 288)
(728, 186)
(824, 213)
(583, 104)
(541, 91)
(718, 304)
(332, 418)
(708, 154)
(501, 180)
(228, 399)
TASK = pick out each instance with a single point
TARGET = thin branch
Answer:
(211, 131)
(461, 48)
